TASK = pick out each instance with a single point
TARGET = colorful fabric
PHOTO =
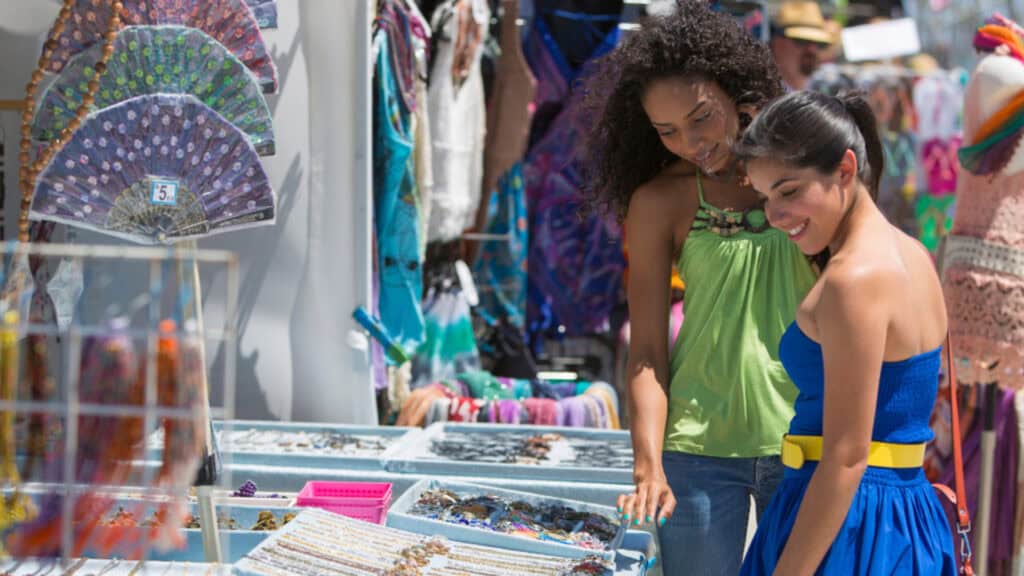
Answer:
(485, 386)
(898, 186)
(575, 265)
(1004, 480)
(934, 216)
(396, 209)
(941, 164)
(995, 34)
(449, 347)
(990, 154)
(729, 394)
(500, 269)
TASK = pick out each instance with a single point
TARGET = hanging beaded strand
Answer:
(30, 171)
(27, 174)
(13, 508)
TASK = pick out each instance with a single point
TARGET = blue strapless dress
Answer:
(896, 524)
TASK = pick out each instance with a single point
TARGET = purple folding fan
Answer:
(154, 60)
(155, 169)
(230, 22)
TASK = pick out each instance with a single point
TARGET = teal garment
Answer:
(729, 394)
(485, 386)
(449, 346)
(501, 267)
(396, 209)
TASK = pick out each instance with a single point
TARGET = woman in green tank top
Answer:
(707, 417)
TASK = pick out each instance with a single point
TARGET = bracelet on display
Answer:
(319, 542)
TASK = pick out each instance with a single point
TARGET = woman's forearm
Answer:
(648, 404)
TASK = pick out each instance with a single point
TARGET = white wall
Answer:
(301, 279)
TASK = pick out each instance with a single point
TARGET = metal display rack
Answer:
(137, 288)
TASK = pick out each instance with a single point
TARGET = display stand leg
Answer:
(983, 522)
(208, 474)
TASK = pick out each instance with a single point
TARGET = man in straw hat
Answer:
(799, 34)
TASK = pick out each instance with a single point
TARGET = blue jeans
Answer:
(707, 532)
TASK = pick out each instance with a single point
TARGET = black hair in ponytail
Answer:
(813, 130)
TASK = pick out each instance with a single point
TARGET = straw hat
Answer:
(802, 20)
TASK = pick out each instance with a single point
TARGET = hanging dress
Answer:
(458, 126)
(396, 208)
(575, 265)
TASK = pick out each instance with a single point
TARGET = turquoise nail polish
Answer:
(625, 517)
(648, 519)
(636, 522)
(661, 521)
(619, 508)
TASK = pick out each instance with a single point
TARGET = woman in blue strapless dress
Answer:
(864, 353)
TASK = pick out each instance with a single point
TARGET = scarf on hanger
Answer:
(997, 139)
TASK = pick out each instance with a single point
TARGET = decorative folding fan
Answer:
(265, 12)
(230, 22)
(155, 169)
(161, 59)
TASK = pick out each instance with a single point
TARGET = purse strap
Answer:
(959, 497)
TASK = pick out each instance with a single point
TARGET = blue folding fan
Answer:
(155, 169)
(230, 22)
(161, 59)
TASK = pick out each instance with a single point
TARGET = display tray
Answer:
(111, 568)
(338, 540)
(581, 455)
(302, 445)
(235, 524)
(400, 516)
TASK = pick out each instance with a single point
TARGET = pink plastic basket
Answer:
(367, 501)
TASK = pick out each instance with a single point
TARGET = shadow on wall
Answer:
(251, 400)
(273, 263)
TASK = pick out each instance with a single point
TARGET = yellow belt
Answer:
(799, 449)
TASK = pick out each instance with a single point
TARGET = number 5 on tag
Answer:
(164, 192)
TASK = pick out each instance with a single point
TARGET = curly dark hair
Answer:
(621, 150)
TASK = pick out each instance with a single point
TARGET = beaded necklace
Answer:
(27, 174)
(30, 171)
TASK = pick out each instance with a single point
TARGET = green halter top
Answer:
(729, 394)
